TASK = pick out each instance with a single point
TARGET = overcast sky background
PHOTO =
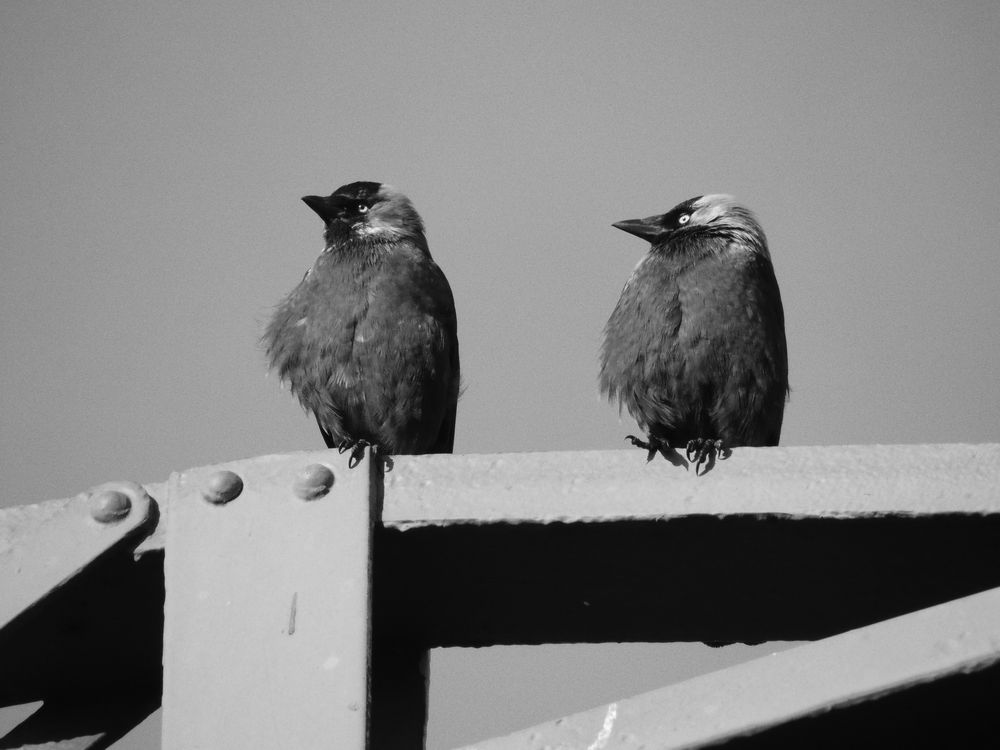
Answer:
(154, 154)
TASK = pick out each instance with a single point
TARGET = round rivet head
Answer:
(222, 486)
(313, 481)
(108, 506)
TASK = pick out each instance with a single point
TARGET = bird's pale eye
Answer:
(684, 219)
(362, 208)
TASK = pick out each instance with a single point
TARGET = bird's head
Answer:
(367, 211)
(704, 216)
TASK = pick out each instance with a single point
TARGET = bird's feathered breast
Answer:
(314, 325)
(683, 302)
(360, 321)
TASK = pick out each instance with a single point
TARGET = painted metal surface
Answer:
(736, 579)
(266, 637)
(834, 481)
(877, 661)
(268, 570)
(81, 722)
(66, 617)
(43, 546)
(802, 482)
(772, 544)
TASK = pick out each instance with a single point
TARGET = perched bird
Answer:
(368, 340)
(695, 348)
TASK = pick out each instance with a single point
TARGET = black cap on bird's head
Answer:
(345, 204)
(369, 210)
(704, 214)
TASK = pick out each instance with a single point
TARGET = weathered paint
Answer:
(81, 722)
(512, 548)
(730, 579)
(836, 481)
(43, 546)
(267, 609)
(802, 482)
(67, 614)
(868, 663)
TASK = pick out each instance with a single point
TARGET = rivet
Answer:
(313, 481)
(222, 486)
(108, 506)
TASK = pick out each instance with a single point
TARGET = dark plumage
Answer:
(695, 348)
(367, 341)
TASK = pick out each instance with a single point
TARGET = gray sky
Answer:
(154, 155)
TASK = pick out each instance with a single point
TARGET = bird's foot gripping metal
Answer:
(652, 445)
(704, 452)
(357, 449)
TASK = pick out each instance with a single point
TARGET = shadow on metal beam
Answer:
(100, 634)
(718, 580)
(101, 631)
(83, 722)
(954, 711)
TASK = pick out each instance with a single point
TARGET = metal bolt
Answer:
(313, 481)
(108, 506)
(222, 486)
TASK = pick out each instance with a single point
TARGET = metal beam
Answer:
(777, 543)
(773, 544)
(934, 672)
(736, 579)
(852, 481)
(830, 481)
(81, 617)
(44, 546)
(90, 721)
(267, 604)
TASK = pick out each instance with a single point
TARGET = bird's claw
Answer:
(652, 446)
(357, 449)
(705, 452)
(357, 454)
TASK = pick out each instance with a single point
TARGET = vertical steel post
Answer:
(268, 579)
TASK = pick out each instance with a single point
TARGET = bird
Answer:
(695, 348)
(368, 339)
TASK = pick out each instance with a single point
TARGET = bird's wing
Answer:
(309, 342)
(640, 364)
(407, 349)
(445, 442)
(327, 436)
(748, 361)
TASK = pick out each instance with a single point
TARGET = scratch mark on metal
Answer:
(291, 616)
(604, 735)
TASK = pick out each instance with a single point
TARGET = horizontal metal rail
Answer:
(771, 544)
(929, 666)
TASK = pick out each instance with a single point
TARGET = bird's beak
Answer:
(650, 229)
(318, 204)
(328, 207)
